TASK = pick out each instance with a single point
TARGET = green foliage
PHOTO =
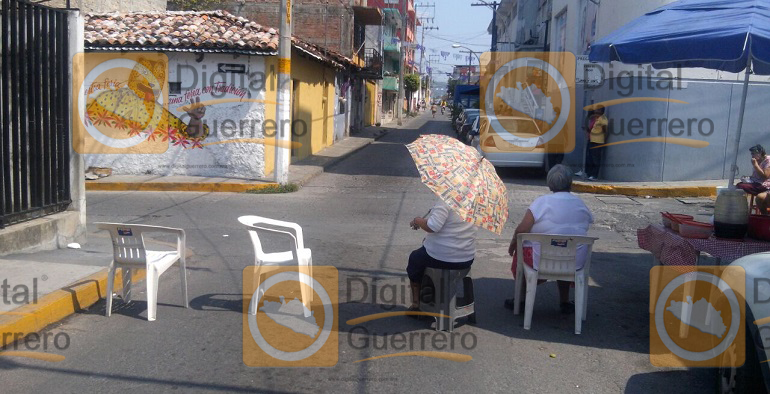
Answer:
(273, 189)
(450, 87)
(411, 82)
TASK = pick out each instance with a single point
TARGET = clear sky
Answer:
(457, 22)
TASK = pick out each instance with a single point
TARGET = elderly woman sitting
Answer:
(558, 213)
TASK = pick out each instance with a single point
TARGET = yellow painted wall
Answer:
(370, 107)
(314, 106)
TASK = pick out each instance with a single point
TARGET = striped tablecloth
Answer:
(670, 248)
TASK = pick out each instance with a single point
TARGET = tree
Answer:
(450, 87)
(411, 84)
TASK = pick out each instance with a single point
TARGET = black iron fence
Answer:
(34, 112)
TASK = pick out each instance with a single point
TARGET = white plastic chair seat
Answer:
(558, 261)
(298, 255)
(129, 253)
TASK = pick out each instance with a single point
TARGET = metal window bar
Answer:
(34, 111)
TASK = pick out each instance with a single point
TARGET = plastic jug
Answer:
(731, 214)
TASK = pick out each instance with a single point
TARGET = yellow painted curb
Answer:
(55, 306)
(176, 186)
(683, 191)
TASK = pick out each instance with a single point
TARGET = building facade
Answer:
(712, 97)
(222, 76)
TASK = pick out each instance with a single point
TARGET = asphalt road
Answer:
(355, 218)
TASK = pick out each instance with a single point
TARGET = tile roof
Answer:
(193, 31)
(186, 31)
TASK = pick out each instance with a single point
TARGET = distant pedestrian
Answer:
(433, 109)
(597, 136)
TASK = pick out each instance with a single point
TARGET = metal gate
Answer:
(34, 112)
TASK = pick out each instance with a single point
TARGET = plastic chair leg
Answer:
(152, 294)
(305, 292)
(254, 302)
(518, 291)
(529, 303)
(580, 292)
(127, 274)
(110, 289)
(183, 278)
(585, 296)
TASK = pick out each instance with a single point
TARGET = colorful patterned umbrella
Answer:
(463, 179)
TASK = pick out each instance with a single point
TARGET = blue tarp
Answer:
(713, 34)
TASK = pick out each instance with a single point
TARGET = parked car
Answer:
(754, 375)
(474, 132)
(465, 127)
(502, 153)
(461, 119)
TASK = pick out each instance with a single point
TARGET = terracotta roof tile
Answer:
(195, 31)
(179, 30)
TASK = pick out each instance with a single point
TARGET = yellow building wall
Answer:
(370, 106)
(313, 106)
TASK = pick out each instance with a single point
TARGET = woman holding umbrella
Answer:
(470, 195)
(449, 244)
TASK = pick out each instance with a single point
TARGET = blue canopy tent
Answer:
(726, 35)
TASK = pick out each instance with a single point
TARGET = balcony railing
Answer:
(372, 64)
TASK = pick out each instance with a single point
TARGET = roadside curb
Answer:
(57, 305)
(226, 187)
(642, 191)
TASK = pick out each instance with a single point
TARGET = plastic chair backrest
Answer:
(558, 253)
(258, 223)
(127, 242)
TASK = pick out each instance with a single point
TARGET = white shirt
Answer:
(453, 240)
(560, 213)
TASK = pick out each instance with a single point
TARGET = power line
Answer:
(456, 42)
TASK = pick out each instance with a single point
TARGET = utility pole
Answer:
(470, 60)
(493, 6)
(404, 21)
(422, 45)
(283, 96)
(422, 54)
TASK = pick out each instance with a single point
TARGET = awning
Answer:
(367, 15)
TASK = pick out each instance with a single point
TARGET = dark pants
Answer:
(751, 187)
(419, 260)
(593, 159)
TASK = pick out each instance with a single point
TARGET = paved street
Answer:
(355, 218)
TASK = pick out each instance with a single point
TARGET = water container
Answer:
(731, 214)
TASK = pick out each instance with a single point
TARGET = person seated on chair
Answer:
(449, 244)
(759, 182)
(558, 213)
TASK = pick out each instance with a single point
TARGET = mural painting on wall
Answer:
(134, 108)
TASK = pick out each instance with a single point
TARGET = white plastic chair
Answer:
(557, 262)
(129, 253)
(299, 254)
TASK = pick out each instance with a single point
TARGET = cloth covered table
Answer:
(670, 248)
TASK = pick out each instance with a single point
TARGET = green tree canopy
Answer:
(411, 82)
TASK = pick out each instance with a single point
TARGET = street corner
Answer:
(290, 316)
(697, 316)
(528, 101)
